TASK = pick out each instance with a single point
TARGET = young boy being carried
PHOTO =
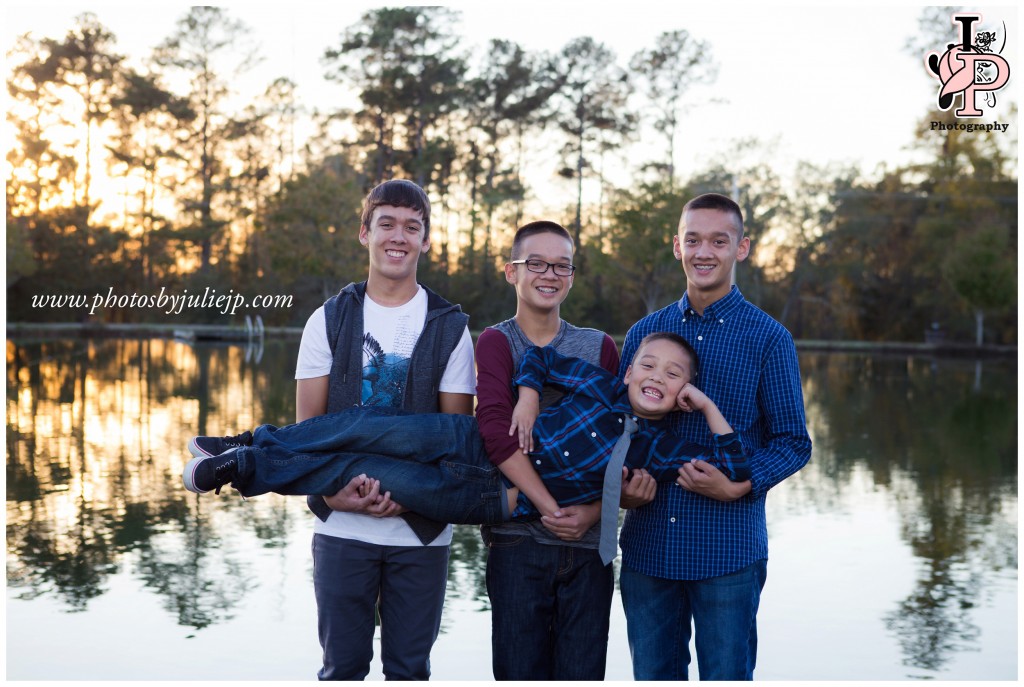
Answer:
(435, 464)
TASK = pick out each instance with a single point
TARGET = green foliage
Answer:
(312, 239)
(644, 274)
(982, 269)
(593, 113)
(402, 62)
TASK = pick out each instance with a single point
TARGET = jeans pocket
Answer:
(470, 473)
(497, 540)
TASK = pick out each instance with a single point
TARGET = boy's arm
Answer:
(524, 416)
(495, 397)
(518, 468)
(455, 404)
(781, 400)
(691, 398)
(495, 402)
(787, 447)
(729, 452)
(311, 397)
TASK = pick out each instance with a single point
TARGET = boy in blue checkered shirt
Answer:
(570, 442)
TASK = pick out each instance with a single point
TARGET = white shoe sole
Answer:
(188, 474)
(194, 449)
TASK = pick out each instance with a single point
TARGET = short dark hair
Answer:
(716, 201)
(674, 338)
(398, 193)
(539, 227)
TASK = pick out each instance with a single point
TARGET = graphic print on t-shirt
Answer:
(384, 374)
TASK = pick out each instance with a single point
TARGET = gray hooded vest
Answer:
(442, 332)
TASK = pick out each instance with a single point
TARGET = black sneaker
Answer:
(204, 473)
(204, 447)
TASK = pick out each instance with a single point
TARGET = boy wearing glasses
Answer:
(550, 593)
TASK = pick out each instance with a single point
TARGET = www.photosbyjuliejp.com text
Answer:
(168, 303)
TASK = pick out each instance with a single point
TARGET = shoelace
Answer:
(221, 469)
(238, 440)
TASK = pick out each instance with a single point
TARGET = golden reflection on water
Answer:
(96, 441)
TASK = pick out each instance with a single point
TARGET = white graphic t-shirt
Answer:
(389, 337)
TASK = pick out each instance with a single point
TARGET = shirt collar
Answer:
(660, 425)
(721, 308)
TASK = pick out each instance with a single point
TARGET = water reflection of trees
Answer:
(96, 436)
(945, 447)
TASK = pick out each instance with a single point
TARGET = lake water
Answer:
(893, 553)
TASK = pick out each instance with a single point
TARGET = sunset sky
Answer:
(827, 83)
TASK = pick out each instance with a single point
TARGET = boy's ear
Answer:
(510, 273)
(743, 249)
(363, 234)
(625, 377)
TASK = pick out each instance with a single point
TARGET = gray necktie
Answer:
(612, 491)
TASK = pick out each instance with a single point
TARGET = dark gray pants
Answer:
(406, 583)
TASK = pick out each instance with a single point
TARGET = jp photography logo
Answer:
(971, 71)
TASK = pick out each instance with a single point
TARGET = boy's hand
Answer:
(362, 495)
(705, 479)
(638, 490)
(354, 497)
(572, 522)
(523, 416)
(383, 506)
(691, 398)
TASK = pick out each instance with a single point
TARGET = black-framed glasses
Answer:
(541, 266)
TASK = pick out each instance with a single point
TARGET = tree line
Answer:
(200, 195)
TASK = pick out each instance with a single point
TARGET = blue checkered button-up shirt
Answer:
(748, 366)
(574, 438)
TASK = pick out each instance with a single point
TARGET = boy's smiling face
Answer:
(536, 291)
(395, 239)
(660, 369)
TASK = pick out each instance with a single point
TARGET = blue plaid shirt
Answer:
(574, 438)
(748, 366)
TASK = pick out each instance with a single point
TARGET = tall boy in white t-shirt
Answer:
(387, 341)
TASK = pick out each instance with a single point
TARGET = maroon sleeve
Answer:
(494, 398)
(610, 355)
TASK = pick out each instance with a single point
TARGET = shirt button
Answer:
(700, 338)
(620, 420)
(721, 322)
(593, 434)
(538, 462)
(671, 519)
(566, 454)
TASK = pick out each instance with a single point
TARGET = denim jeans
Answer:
(404, 584)
(433, 464)
(550, 607)
(724, 614)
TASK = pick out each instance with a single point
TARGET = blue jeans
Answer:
(724, 614)
(549, 609)
(433, 464)
(404, 584)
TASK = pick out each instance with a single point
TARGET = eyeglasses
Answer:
(541, 266)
